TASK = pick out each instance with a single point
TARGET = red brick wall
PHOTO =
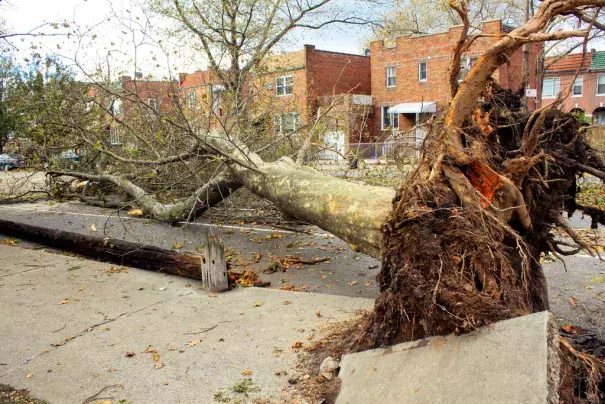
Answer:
(136, 91)
(337, 73)
(436, 51)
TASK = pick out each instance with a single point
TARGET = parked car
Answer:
(8, 162)
(22, 163)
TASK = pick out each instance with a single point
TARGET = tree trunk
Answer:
(352, 212)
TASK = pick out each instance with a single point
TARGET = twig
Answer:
(201, 332)
(94, 397)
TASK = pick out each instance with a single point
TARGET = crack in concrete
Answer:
(90, 329)
(27, 270)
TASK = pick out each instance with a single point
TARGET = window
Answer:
(114, 136)
(283, 86)
(153, 103)
(391, 77)
(550, 87)
(577, 87)
(192, 99)
(601, 84)
(116, 107)
(389, 120)
(216, 95)
(286, 123)
(466, 64)
(422, 71)
(598, 117)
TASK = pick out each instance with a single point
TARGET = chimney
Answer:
(367, 52)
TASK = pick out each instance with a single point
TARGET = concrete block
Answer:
(513, 361)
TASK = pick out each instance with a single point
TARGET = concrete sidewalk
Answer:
(69, 328)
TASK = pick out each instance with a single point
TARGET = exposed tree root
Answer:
(461, 250)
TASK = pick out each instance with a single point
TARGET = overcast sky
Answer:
(23, 15)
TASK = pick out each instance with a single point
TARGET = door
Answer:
(335, 146)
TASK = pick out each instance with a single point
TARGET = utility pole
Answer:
(525, 68)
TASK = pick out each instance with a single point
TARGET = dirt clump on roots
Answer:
(450, 267)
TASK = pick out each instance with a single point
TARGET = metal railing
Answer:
(386, 150)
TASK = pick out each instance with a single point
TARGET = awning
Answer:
(414, 108)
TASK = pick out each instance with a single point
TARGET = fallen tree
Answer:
(461, 239)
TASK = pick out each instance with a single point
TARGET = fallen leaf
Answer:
(353, 283)
(573, 301)
(135, 212)
(159, 364)
(287, 302)
(194, 342)
(212, 295)
(29, 376)
(92, 227)
(156, 356)
(164, 288)
(129, 354)
(246, 372)
(165, 383)
(570, 329)
(178, 246)
(318, 313)
(258, 304)
(297, 344)
(111, 370)
(288, 287)
(65, 301)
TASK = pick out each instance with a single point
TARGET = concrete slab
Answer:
(514, 361)
(67, 325)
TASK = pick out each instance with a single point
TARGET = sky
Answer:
(24, 15)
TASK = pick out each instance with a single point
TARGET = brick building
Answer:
(202, 98)
(588, 92)
(297, 86)
(410, 77)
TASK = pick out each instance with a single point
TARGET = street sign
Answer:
(531, 92)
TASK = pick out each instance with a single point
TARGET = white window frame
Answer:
(469, 62)
(579, 82)
(426, 71)
(393, 76)
(154, 104)
(554, 80)
(114, 136)
(282, 86)
(192, 100)
(393, 119)
(117, 106)
(279, 121)
(599, 76)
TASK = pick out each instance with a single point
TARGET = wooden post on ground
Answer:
(214, 266)
(210, 268)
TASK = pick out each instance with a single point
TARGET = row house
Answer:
(369, 99)
(588, 91)
(131, 98)
(410, 78)
(289, 91)
(302, 86)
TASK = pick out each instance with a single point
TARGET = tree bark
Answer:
(354, 213)
(119, 252)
